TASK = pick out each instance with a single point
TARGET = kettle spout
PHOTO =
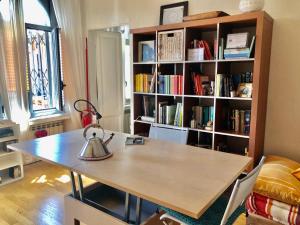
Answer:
(109, 139)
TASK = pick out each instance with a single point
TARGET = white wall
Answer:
(283, 116)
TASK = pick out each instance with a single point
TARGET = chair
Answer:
(179, 136)
(241, 191)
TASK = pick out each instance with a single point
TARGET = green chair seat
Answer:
(212, 216)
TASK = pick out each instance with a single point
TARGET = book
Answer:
(148, 119)
(237, 121)
(178, 115)
(146, 51)
(198, 116)
(170, 114)
(221, 49)
(247, 121)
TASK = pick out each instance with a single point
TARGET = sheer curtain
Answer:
(68, 15)
(13, 63)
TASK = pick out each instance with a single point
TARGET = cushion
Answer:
(296, 173)
(212, 216)
(277, 182)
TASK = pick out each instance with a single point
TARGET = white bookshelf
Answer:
(9, 159)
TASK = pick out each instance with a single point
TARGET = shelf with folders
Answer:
(223, 97)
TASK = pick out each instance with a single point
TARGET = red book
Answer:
(176, 85)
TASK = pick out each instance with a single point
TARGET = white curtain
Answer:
(13, 63)
(68, 15)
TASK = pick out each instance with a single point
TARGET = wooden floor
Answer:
(38, 198)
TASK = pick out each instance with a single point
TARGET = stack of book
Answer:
(170, 114)
(239, 121)
(145, 83)
(201, 84)
(234, 85)
(170, 84)
(239, 46)
(203, 117)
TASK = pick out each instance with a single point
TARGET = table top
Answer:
(181, 177)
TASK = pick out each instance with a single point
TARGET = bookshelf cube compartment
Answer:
(169, 110)
(200, 110)
(170, 46)
(235, 67)
(141, 128)
(199, 79)
(200, 139)
(248, 27)
(196, 34)
(137, 40)
(144, 78)
(170, 68)
(145, 105)
(233, 117)
(231, 144)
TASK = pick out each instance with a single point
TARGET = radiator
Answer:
(52, 128)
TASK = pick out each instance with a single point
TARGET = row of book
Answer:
(170, 114)
(234, 85)
(13, 172)
(201, 84)
(145, 83)
(203, 117)
(170, 84)
(239, 121)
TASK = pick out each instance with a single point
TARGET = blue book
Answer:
(147, 51)
(161, 85)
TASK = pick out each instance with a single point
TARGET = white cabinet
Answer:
(11, 163)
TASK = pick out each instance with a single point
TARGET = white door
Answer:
(105, 76)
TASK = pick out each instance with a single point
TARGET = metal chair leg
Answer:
(80, 184)
(73, 184)
(127, 208)
(138, 211)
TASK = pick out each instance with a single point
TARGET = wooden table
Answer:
(181, 177)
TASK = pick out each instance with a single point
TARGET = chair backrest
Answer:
(178, 136)
(241, 191)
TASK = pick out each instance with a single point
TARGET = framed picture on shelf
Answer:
(173, 13)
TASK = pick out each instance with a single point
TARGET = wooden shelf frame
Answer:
(263, 26)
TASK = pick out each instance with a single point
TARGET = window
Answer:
(44, 81)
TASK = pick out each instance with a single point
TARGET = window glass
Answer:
(39, 60)
(35, 13)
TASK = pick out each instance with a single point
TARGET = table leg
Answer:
(80, 184)
(73, 184)
(138, 211)
(127, 208)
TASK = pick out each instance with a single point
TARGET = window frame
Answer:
(59, 108)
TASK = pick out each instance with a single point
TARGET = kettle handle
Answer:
(94, 125)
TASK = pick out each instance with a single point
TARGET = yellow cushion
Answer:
(276, 180)
(296, 173)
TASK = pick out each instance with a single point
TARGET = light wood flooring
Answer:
(38, 198)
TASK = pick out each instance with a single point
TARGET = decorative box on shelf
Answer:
(170, 46)
(196, 54)
(11, 163)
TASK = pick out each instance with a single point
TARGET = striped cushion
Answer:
(212, 216)
(276, 180)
